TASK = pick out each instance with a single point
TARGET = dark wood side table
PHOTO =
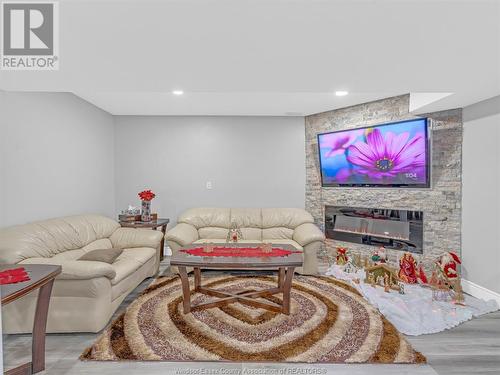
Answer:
(153, 224)
(42, 277)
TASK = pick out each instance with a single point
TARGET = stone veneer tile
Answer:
(441, 204)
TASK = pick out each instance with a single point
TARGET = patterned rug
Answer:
(329, 322)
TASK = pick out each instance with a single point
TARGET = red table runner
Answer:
(249, 252)
(12, 276)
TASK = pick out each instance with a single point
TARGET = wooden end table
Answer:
(153, 224)
(42, 277)
(284, 265)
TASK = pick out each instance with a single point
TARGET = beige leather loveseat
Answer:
(293, 226)
(87, 293)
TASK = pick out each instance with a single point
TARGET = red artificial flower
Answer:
(146, 195)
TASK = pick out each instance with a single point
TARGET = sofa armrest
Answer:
(130, 237)
(307, 233)
(182, 234)
(77, 269)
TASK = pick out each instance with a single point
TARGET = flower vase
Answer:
(146, 211)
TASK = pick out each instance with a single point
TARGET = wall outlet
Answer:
(209, 185)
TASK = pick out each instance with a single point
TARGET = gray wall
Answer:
(481, 194)
(56, 157)
(251, 161)
(441, 204)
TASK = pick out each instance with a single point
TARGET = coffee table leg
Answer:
(197, 279)
(186, 294)
(40, 326)
(287, 286)
(281, 277)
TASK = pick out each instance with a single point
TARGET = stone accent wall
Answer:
(441, 204)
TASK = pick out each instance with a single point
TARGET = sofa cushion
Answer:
(103, 243)
(50, 237)
(247, 217)
(76, 269)
(251, 233)
(132, 280)
(102, 255)
(213, 232)
(68, 255)
(277, 233)
(124, 238)
(206, 217)
(182, 234)
(131, 260)
(285, 217)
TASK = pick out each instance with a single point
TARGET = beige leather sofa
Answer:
(87, 293)
(293, 226)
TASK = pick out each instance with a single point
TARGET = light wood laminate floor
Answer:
(472, 348)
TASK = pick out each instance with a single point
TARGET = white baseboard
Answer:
(479, 291)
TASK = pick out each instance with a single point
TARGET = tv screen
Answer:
(387, 155)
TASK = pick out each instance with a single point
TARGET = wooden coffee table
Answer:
(284, 265)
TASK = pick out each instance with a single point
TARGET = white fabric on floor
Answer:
(415, 313)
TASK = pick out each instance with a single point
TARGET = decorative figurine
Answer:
(401, 288)
(422, 277)
(371, 280)
(380, 281)
(267, 248)
(380, 272)
(448, 264)
(208, 248)
(408, 269)
(445, 280)
(357, 260)
(379, 256)
(387, 286)
(234, 234)
(349, 267)
(342, 255)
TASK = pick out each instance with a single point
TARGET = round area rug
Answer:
(329, 322)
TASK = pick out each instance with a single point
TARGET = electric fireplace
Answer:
(393, 229)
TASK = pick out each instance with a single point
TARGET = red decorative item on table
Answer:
(15, 275)
(249, 252)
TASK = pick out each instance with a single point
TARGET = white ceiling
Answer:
(270, 57)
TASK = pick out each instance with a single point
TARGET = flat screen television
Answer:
(388, 155)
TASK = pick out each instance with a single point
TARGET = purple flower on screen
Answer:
(388, 155)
